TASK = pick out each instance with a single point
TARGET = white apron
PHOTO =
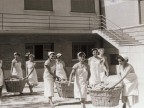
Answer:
(60, 72)
(48, 80)
(95, 68)
(130, 83)
(80, 83)
(17, 70)
(33, 80)
(102, 70)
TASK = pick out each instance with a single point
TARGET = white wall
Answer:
(122, 12)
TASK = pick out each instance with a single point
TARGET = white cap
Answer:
(124, 56)
(81, 53)
(49, 53)
(59, 55)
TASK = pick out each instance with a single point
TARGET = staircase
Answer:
(136, 32)
(114, 34)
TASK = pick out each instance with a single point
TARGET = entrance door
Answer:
(39, 52)
(141, 11)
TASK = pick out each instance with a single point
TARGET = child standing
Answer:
(60, 68)
(104, 64)
(31, 73)
(82, 74)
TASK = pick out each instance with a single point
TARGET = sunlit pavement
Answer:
(37, 100)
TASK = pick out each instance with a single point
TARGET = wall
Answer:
(122, 12)
(110, 49)
(61, 7)
(9, 43)
(33, 19)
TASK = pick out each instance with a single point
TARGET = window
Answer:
(45, 5)
(83, 6)
(39, 50)
(84, 47)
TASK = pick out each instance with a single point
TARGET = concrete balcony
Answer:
(33, 23)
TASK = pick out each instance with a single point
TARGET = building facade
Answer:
(64, 26)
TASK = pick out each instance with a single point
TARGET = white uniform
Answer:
(95, 69)
(48, 79)
(1, 75)
(33, 80)
(130, 84)
(102, 69)
(17, 69)
(60, 72)
(80, 83)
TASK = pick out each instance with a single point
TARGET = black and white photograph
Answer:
(71, 53)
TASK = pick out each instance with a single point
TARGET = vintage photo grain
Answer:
(71, 53)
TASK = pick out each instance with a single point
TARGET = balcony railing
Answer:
(9, 21)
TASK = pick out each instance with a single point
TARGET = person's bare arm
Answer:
(49, 70)
(26, 70)
(64, 67)
(127, 72)
(71, 76)
(12, 65)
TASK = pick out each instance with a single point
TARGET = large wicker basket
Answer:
(64, 90)
(105, 98)
(15, 85)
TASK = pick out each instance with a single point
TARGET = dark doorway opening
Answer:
(38, 52)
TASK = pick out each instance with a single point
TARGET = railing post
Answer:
(2, 21)
(89, 23)
(49, 22)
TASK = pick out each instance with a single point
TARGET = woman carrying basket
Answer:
(49, 77)
(130, 82)
(16, 67)
(31, 73)
(82, 74)
(60, 68)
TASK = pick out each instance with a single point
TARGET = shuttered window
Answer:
(83, 6)
(44, 5)
(39, 50)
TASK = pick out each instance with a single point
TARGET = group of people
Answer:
(17, 71)
(91, 73)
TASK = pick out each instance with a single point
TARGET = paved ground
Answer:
(37, 100)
